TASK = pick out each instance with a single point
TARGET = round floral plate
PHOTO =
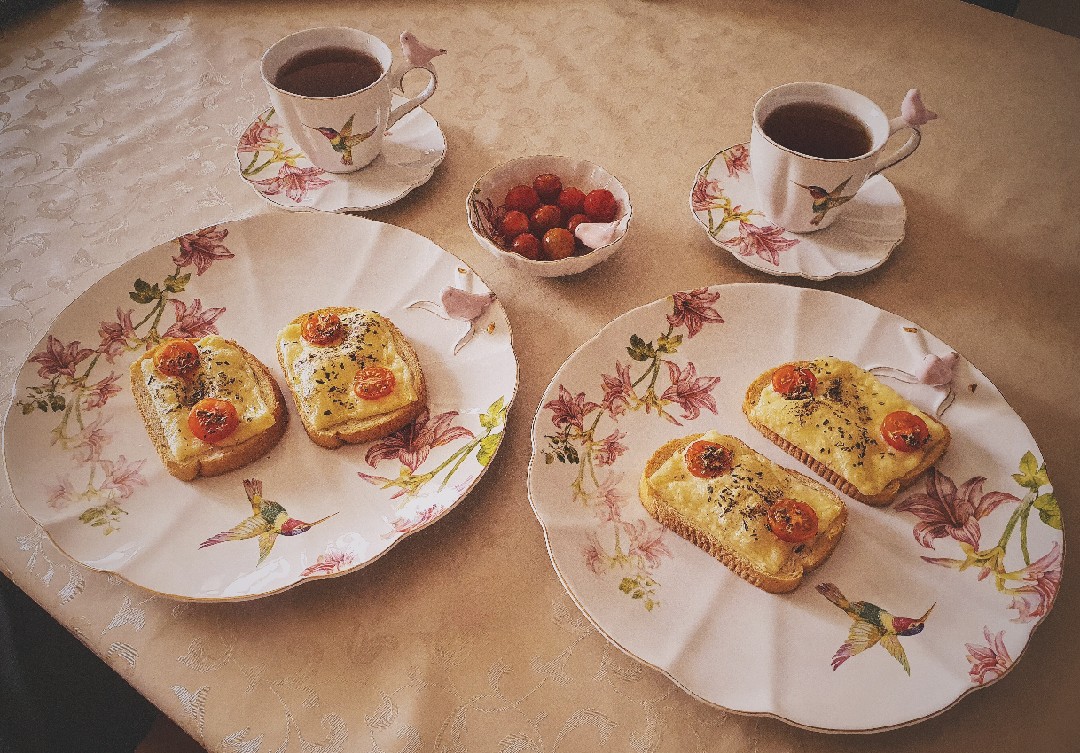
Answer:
(273, 165)
(81, 464)
(723, 200)
(970, 555)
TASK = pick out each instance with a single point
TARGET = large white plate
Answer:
(681, 365)
(81, 464)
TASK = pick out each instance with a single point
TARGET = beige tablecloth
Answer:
(118, 122)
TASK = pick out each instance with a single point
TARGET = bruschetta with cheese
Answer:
(855, 432)
(770, 525)
(208, 405)
(353, 375)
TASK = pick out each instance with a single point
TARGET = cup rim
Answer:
(315, 31)
(879, 132)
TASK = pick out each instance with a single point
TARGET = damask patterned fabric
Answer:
(118, 130)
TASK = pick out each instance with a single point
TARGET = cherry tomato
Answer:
(708, 459)
(528, 245)
(323, 329)
(545, 218)
(576, 220)
(793, 521)
(177, 358)
(571, 200)
(373, 382)
(514, 224)
(522, 198)
(601, 206)
(558, 243)
(547, 186)
(904, 431)
(213, 420)
(794, 382)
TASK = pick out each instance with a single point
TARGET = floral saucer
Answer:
(723, 201)
(274, 166)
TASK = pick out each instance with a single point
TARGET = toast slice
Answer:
(321, 378)
(226, 371)
(727, 516)
(837, 431)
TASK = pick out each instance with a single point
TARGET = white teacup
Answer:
(813, 146)
(340, 129)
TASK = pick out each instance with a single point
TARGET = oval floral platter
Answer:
(81, 464)
(978, 538)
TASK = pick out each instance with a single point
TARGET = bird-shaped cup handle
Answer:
(913, 114)
(414, 54)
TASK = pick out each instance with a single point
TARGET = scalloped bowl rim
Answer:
(562, 166)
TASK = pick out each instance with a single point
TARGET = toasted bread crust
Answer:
(834, 477)
(814, 554)
(216, 460)
(375, 427)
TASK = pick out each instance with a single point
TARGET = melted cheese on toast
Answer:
(223, 373)
(322, 376)
(733, 507)
(841, 425)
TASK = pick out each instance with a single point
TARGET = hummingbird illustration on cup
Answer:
(344, 140)
(268, 520)
(872, 625)
(826, 200)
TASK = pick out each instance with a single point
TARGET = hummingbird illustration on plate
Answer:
(344, 140)
(268, 519)
(826, 200)
(872, 625)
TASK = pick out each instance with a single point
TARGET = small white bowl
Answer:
(485, 200)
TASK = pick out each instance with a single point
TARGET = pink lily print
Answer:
(60, 360)
(948, 511)
(690, 392)
(708, 196)
(694, 310)
(403, 525)
(736, 160)
(412, 445)
(988, 662)
(328, 563)
(117, 337)
(202, 248)
(262, 140)
(74, 388)
(294, 181)
(637, 546)
(192, 321)
(458, 302)
(100, 392)
(766, 242)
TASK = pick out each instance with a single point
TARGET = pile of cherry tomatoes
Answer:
(539, 220)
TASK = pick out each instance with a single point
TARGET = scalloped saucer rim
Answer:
(858, 242)
(413, 148)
